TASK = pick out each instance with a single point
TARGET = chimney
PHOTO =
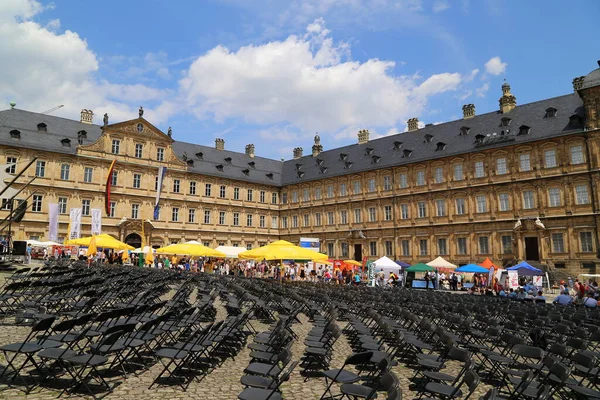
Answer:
(86, 116)
(507, 101)
(250, 150)
(363, 136)
(219, 144)
(578, 83)
(297, 152)
(468, 111)
(317, 147)
(413, 124)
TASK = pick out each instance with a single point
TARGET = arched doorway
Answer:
(133, 239)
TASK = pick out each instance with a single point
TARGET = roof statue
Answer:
(170, 132)
(141, 111)
(105, 119)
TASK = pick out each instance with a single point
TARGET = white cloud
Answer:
(307, 82)
(481, 91)
(465, 95)
(495, 66)
(472, 75)
(440, 5)
(53, 25)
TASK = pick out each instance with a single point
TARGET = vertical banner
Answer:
(96, 221)
(108, 187)
(75, 231)
(53, 222)
(161, 176)
(513, 279)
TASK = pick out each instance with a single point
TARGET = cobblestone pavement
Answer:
(223, 382)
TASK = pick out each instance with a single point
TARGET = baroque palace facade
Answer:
(518, 183)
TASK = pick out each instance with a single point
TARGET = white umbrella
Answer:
(231, 251)
(441, 263)
(139, 250)
(50, 243)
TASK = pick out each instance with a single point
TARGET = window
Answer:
(261, 221)
(114, 178)
(305, 194)
(507, 245)
(207, 216)
(221, 217)
(460, 206)
(330, 218)
(373, 248)
(65, 170)
(461, 246)
(357, 215)
(387, 212)
(137, 181)
(438, 175)
(294, 221)
(524, 162)
(261, 196)
(388, 248)
(372, 214)
(403, 181)
(554, 197)
(501, 166)
(343, 217)
(138, 150)
(273, 198)
(404, 211)
(576, 155)
(371, 185)
(135, 211)
(503, 202)
(356, 186)
(387, 182)
(318, 219)
(306, 220)
(236, 195)
(250, 217)
(484, 245)
(481, 204)
(284, 223)
(440, 206)
(550, 158)
(85, 207)
(528, 200)
(88, 173)
(250, 195)
(116, 144)
(558, 245)
(343, 190)
(423, 247)
(160, 154)
(458, 172)
(13, 168)
(479, 170)
(207, 189)
(36, 204)
(176, 185)
(175, 214)
(192, 215)
(405, 244)
(156, 183)
(329, 191)
(442, 247)
(111, 208)
(422, 209)
(330, 249)
(62, 205)
(236, 219)
(294, 196)
(40, 169)
(222, 191)
(318, 193)
(582, 195)
(249, 246)
(586, 241)
(192, 188)
(420, 178)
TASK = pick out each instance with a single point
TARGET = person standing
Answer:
(28, 254)
(427, 280)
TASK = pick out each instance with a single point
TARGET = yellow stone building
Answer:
(517, 183)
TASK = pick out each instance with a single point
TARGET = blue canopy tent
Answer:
(402, 264)
(525, 269)
(472, 268)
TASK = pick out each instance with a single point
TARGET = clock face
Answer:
(140, 127)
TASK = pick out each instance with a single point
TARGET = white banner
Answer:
(53, 222)
(75, 223)
(96, 221)
(513, 279)
(161, 176)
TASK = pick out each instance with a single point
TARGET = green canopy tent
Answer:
(420, 268)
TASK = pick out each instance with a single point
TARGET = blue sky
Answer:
(273, 72)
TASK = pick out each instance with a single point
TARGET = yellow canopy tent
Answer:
(353, 262)
(190, 249)
(282, 250)
(103, 241)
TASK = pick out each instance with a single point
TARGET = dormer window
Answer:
(246, 172)
(269, 175)
(219, 167)
(252, 164)
(348, 164)
(15, 134)
(319, 161)
(298, 167)
(190, 162)
(397, 145)
(66, 142)
(228, 160)
(479, 138)
(199, 155)
(368, 151)
(406, 153)
(505, 121)
(300, 174)
(343, 156)
(81, 136)
(575, 120)
(550, 112)
(524, 130)
(440, 146)
(375, 159)
(42, 127)
(428, 138)
(323, 169)
(464, 130)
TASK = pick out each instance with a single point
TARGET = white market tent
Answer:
(387, 266)
(37, 243)
(231, 251)
(441, 263)
(144, 250)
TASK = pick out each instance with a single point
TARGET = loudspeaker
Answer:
(19, 248)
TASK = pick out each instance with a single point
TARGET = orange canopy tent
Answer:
(487, 263)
